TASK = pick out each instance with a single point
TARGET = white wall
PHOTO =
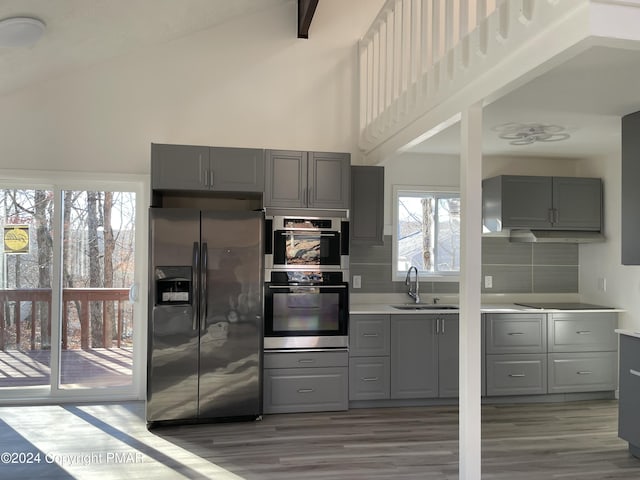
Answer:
(419, 170)
(603, 260)
(249, 82)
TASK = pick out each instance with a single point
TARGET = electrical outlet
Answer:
(357, 281)
(488, 281)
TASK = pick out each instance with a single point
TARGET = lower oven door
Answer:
(306, 316)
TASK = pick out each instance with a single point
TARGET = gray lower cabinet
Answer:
(448, 330)
(369, 378)
(201, 168)
(629, 413)
(582, 352)
(307, 179)
(537, 353)
(524, 374)
(305, 381)
(582, 372)
(516, 347)
(369, 365)
(414, 357)
(367, 205)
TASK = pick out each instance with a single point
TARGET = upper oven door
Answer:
(304, 249)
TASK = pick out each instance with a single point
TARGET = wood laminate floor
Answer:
(110, 441)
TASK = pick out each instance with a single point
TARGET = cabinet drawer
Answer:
(368, 335)
(306, 359)
(580, 332)
(629, 411)
(369, 378)
(305, 389)
(520, 333)
(582, 372)
(516, 374)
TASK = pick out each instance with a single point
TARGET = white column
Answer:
(470, 278)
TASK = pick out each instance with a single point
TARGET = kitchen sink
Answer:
(433, 306)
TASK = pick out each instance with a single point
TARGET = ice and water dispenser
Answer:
(173, 285)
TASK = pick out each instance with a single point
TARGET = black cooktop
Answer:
(564, 306)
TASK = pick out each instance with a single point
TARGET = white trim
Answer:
(417, 189)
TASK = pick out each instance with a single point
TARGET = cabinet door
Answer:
(285, 179)
(237, 169)
(368, 335)
(367, 205)
(577, 203)
(526, 201)
(414, 356)
(448, 353)
(179, 167)
(630, 224)
(329, 180)
(629, 413)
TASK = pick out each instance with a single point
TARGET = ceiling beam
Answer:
(306, 9)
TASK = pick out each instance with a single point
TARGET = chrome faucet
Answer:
(407, 281)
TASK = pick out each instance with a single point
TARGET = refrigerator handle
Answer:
(204, 294)
(195, 262)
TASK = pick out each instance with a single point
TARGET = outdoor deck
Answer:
(96, 367)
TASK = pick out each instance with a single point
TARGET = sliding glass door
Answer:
(68, 326)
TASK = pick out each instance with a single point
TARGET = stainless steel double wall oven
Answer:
(306, 273)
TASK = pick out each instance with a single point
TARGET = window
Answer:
(427, 233)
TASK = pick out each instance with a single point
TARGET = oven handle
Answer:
(293, 285)
(307, 232)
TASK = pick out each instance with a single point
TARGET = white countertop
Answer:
(384, 308)
(629, 333)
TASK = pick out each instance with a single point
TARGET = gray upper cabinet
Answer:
(307, 179)
(367, 205)
(554, 203)
(224, 169)
(630, 224)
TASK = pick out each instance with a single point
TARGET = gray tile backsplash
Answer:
(515, 268)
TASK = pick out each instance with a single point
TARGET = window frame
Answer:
(418, 190)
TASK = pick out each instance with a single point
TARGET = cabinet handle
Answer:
(583, 332)
(550, 215)
(369, 379)
(310, 197)
(305, 390)
(437, 326)
(442, 328)
(586, 372)
(211, 176)
(306, 360)
(516, 375)
(634, 372)
(516, 333)
(369, 334)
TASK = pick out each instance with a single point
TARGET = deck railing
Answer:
(27, 312)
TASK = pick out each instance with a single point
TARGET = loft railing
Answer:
(418, 55)
(403, 55)
(25, 318)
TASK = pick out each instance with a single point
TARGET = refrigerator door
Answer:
(173, 330)
(231, 320)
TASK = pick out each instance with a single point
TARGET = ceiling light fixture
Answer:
(20, 31)
(528, 133)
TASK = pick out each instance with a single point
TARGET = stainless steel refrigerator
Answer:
(205, 332)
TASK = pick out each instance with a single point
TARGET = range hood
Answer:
(555, 236)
